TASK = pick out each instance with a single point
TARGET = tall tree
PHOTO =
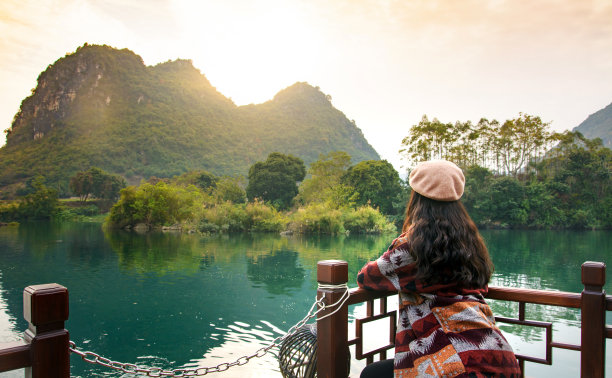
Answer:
(509, 148)
(98, 183)
(275, 180)
(376, 182)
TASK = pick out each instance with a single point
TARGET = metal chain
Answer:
(94, 358)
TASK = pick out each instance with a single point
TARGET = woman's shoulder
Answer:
(400, 241)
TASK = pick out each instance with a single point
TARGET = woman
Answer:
(441, 267)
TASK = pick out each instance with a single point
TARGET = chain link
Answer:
(96, 359)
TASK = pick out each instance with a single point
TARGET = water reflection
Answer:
(278, 272)
(177, 300)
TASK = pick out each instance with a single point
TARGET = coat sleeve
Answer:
(393, 271)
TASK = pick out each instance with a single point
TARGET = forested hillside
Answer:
(103, 107)
(598, 125)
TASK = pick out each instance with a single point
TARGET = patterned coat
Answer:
(443, 330)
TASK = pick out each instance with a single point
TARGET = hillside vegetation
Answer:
(598, 125)
(103, 107)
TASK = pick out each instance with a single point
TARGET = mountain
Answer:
(102, 107)
(598, 125)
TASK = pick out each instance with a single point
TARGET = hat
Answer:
(439, 180)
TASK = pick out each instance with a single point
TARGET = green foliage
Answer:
(506, 199)
(375, 182)
(325, 178)
(251, 217)
(202, 179)
(154, 205)
(103, 107)
(263, 218)
(323, 218)
(76, 214)
(597, 125)
(98, 183)
(275, 179)
(42, 203)
(317, 218)
(223, 217)
(368, 220)
(230, 189)
(508, 148)
(514, 178)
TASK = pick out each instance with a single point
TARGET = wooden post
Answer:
(332, 332)
(593, 314)
(45, 307)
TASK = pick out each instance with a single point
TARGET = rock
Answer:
(141, 227)
(174, 227)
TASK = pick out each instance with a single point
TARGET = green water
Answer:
(174, 300)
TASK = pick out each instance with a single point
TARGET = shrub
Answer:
(155, 205)
(224, 217)
(317, 218)
(366, 219)
(264, 218)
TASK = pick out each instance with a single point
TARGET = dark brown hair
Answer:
(445, 243)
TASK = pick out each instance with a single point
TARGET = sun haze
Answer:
(385, 63)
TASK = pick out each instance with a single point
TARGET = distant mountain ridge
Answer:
(598, 125)
(101, 106)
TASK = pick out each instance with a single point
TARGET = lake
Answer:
(176, 300)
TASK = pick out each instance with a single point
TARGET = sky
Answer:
(385, 63)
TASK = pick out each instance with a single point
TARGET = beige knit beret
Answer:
(440, 180)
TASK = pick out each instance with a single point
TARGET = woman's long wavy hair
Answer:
(445, 243)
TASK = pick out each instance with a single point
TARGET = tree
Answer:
(325, 177)
(505, 201)
(275, 180)
(41, 204)
(579, 176)
(520, 141)
(229, 189)
(98, 183)
(509, 148)
(375, 182)
(81, 184)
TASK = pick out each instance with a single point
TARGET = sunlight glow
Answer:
(263, 48)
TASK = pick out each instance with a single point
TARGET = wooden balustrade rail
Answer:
(44, 351)
(593, 303)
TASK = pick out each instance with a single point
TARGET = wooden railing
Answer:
(44, 351)
(593, 303)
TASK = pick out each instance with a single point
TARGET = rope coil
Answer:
(94, 358)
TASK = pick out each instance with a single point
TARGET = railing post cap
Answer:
(593, 273)
(332, 271)
(45, 304)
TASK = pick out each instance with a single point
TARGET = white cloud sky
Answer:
(384, 62)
